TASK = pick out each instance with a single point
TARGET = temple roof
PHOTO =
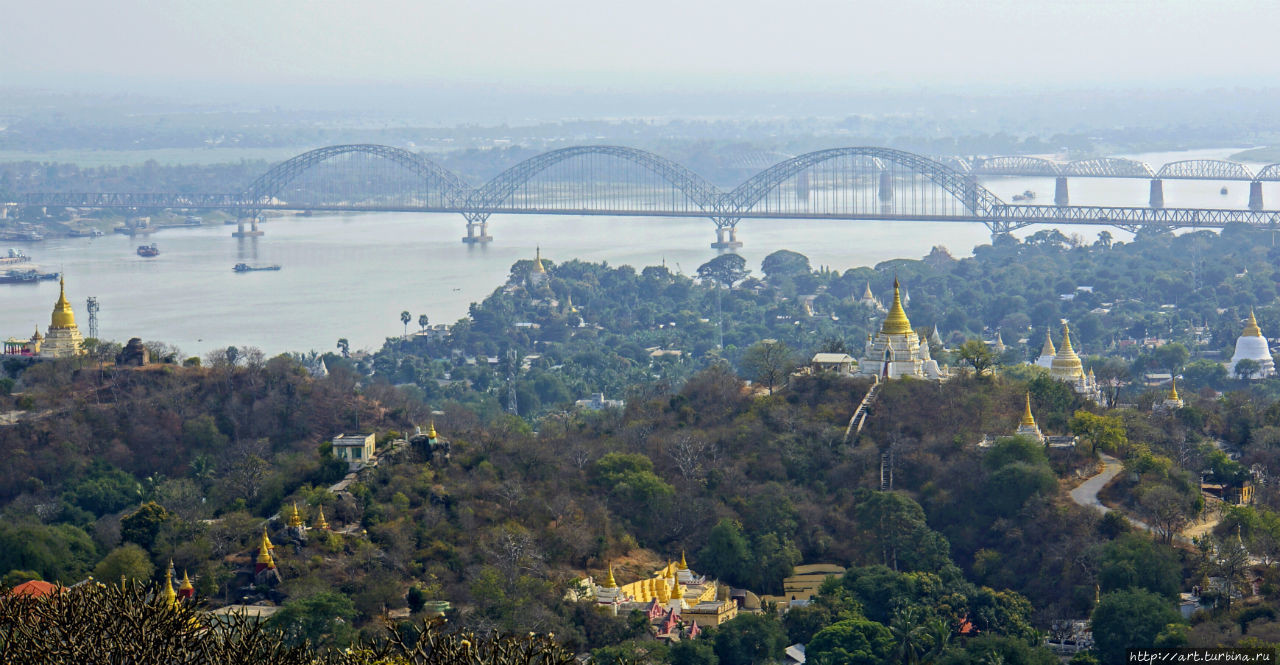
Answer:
(1066, 358)
(1048, 349)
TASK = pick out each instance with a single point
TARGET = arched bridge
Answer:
(859, 183)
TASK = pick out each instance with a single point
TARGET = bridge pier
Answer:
(477, 232)
(885, 190)
(1060, 197)
(253, 231)
(1255, 195)
(726, 234)
(1157, 193)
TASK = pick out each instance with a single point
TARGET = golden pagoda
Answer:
(431, 431)
(1027, 427)
(896, 350)
(683, 564)
(896, 323)
(1066, 364)
(295, 519)
(321, 523)
(63, 339)
(264, 553)
(1173, 401)
(611, 583)
(166, 591)
(537, 262)
(1251, 328)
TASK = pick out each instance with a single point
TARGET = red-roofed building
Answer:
(36, 589)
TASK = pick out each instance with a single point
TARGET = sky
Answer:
(707, 45)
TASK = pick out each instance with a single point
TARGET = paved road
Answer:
(1087, 493)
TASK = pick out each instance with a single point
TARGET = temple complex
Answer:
(675, 598)
(1065, 366)
(1251, 345)
(869, 300)
(896, 350)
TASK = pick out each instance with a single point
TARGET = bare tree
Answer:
(1169, 510)
(690, 453)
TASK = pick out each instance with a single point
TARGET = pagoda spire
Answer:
(321, 523)
(264, 553)
(295, 519)
(1048, 349)
(1173, 388)
(611, 583)
(1027, 419)
(684, 565)
(186, 590)
(166, 591)
(896, 322)
(1251, 328)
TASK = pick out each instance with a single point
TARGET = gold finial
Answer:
(1027, 419)
(1173, 388)
(320, 521)
(431, 430)
(611, 583)
(1251, 328)
(537, 261)
(166, 591)
(896, 323)
(186, 583)
(683, 564)
(267, 540)
(295, 520)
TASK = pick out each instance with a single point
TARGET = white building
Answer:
(896, 350)
(1251, 345)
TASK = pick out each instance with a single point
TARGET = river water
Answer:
(351, 275)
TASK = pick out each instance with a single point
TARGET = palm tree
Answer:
(405, 318)
(422, 322)
(910, 635)
(345, 346)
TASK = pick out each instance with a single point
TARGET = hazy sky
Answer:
(137, 44)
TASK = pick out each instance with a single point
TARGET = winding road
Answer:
(1087, 493)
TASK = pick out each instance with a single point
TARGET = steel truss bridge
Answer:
(862, 183)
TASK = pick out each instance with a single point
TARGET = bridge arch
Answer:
(1017, 165)
(1270, 172)
(1205, 169)
(1108, 167)
(699, 195)
(448, 189)
(886, 164)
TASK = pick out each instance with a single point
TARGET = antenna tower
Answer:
(92, 306)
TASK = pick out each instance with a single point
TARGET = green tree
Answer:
(1245, 369)
(769, 362)
(143, 525)
(1134, 561)
(893, 532)
(59, 552)
(1129, 620)
(978, 356)
(422, 322)
(125, 562)
(324, 618)
(725, 269)
(785, 263)
(851, 642)
(1014, 449)
(692, 652)
(727, 555)
(750, 639)
(405, 318)
(1105, 432)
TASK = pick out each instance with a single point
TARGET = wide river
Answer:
(351, 275)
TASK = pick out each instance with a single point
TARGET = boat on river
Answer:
(15, 256)
(148, 250)
(26, 276)
(245, 267)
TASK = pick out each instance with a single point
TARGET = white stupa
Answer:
(1251, 345)
(1047, 353)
